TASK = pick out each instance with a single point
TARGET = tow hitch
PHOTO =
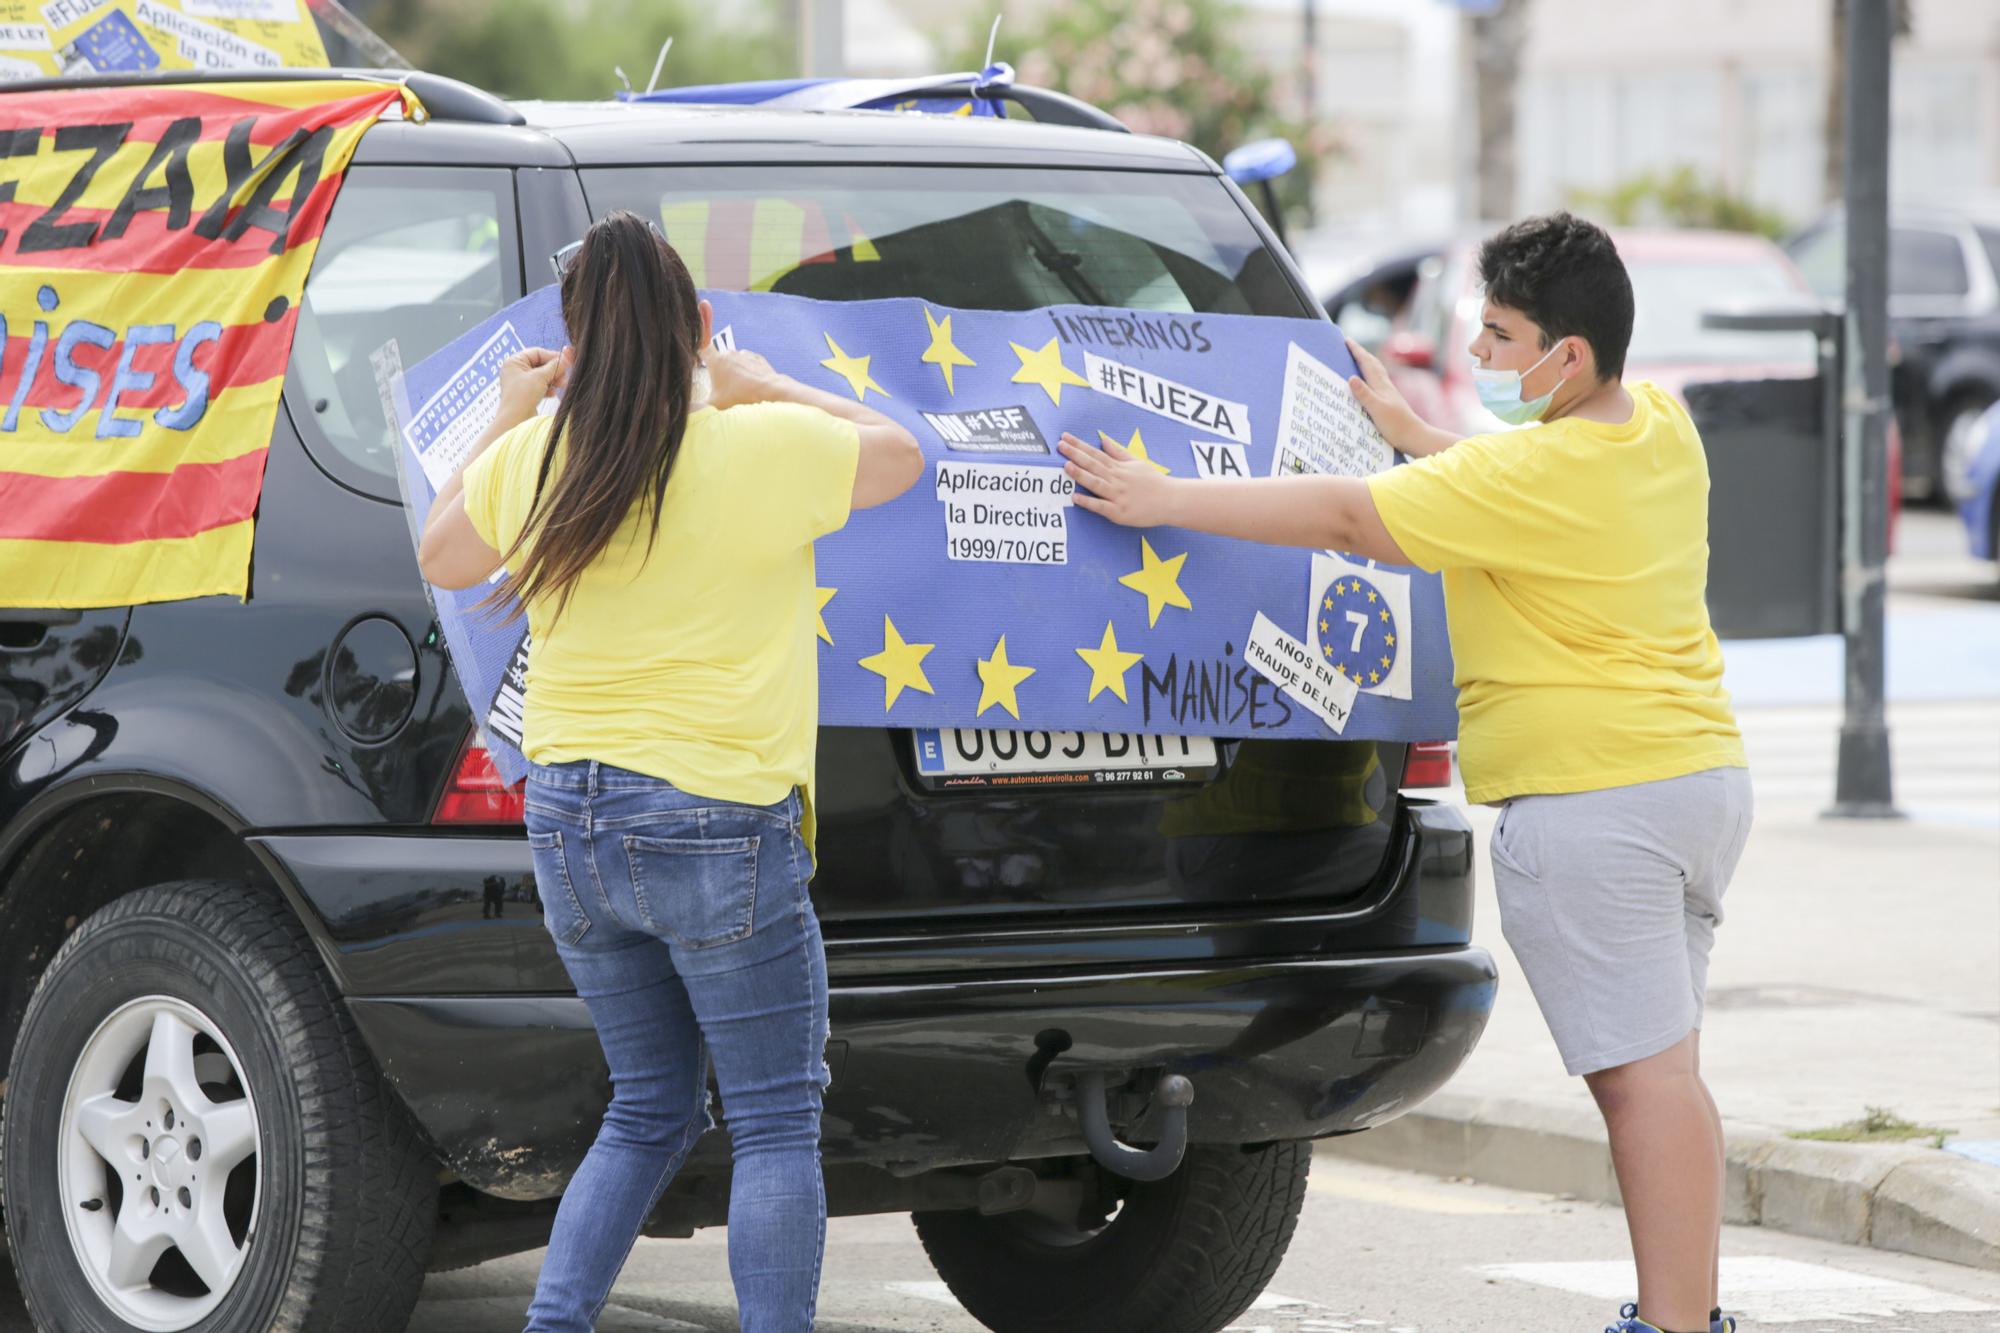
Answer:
(1174, 1093)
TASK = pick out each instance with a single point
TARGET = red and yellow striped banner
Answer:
(153, 245)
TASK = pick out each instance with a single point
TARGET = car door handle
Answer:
(38, 615)
(37, 622)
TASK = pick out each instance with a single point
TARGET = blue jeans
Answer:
(685, 924)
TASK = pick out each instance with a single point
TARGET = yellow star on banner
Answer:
(1391, 639)
(943, 352)
(1137, 448)
(1108, 665)
(825, 595)
(998, 679)
(1371, 595)
(1374, 678)
(1046, 369)
(1159, 581)
(853, 369)
(1323, 626)
(1329, 603)
(899, 664)
(1385, 615)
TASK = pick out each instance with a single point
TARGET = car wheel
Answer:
(1960, 446)
(194, 1137)
(1182, 1255)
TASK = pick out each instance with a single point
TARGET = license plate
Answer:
(985, 757)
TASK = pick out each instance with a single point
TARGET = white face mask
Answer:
(1500, 392)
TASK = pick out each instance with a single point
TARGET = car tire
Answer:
(1182, 1255)
(190, 1009)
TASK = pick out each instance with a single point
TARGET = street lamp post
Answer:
(1862, 786)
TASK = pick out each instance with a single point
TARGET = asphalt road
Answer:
(1376, 1250)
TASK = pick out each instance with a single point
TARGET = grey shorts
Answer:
(1610, 900)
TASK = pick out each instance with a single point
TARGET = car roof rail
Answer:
(442, 98)
(994, 84)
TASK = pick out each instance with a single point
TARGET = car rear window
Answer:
(1669, 297)
(987, 239)
(1926, 263)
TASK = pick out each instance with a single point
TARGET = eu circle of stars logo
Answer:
(1358, 631)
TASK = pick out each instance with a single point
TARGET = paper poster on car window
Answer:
(51, 38)
(1321, 427)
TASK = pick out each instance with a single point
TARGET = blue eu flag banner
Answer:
(984, 597)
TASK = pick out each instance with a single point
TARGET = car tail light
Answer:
(1428, 764)
(477, 794)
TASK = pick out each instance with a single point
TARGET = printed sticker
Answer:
(1360, 624)
(1219, 458)
(262, 11)
(444, 428)
(510, 704)
(1005, 513)
(204, 45)
(24, 37)
(989, 430)
(1299, 672)
(1175, 401)
(113, 43)
(1321, 427)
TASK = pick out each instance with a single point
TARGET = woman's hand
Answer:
(739, 377)
(525, 379)
(1124, 489)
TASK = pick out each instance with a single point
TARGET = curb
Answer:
(1892, 1197)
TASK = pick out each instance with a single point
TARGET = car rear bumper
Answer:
(948, 1073)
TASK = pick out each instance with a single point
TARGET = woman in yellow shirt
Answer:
(661, 545)
(1575, 561)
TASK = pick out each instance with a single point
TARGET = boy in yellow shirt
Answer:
(1575, 560)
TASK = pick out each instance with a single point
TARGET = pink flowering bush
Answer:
(1166, 67)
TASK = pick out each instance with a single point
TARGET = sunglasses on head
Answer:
(561, 260)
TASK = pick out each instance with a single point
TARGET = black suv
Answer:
(285, 1027)
(1944, 320)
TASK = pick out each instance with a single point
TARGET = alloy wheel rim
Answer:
(1960, 446)
(159, 1171)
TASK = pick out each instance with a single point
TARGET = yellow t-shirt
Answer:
(1575, 560)
(696, 664)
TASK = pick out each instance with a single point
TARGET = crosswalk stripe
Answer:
(1761, 1288)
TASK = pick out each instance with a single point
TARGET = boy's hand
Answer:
(1124, 489)
(1378, 394)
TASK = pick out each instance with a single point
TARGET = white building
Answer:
(1608, 90)
(1738, 89)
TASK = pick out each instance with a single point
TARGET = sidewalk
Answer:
(1858, 966)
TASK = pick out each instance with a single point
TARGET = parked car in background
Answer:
(1980, 509)
(1370, 297)
(1944, 319)
(1676, 276)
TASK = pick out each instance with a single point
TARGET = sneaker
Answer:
(1630, 1322)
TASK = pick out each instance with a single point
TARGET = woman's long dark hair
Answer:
(635, 326)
